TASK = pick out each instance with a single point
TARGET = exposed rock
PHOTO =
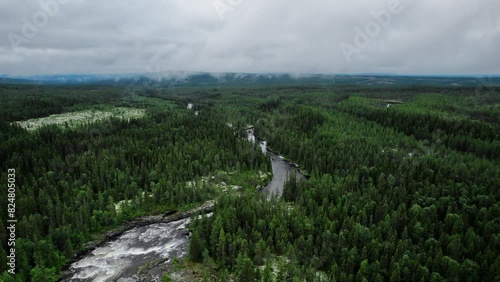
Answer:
(184, 232)
(167, 217)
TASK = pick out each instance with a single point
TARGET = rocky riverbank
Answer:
(135, 223)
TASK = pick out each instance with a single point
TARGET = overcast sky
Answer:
(306, 36)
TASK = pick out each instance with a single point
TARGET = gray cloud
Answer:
(427, 36)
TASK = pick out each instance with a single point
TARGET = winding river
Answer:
(122, 258)
(281, 167)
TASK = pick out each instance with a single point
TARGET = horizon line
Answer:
(3, 75)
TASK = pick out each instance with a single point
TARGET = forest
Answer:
(404, 180)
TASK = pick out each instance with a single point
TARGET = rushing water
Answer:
(120, 259)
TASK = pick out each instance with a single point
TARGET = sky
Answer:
(256, 36)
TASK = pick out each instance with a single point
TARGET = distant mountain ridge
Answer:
(246, 79)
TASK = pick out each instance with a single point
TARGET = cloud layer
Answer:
(316, 36)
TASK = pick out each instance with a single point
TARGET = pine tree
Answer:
(245, 269)
(195, 247)
(221, 248)
(267, 276)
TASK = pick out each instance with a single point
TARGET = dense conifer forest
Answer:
(404, 180)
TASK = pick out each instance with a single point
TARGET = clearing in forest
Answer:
(77, 118)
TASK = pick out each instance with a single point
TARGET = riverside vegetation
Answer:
(404, 180)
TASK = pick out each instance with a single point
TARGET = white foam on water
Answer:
(251, 138)
(153, 233)
(131, 249)
(263, 146)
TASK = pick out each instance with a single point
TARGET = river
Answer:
(121, 259)
(281, 167)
